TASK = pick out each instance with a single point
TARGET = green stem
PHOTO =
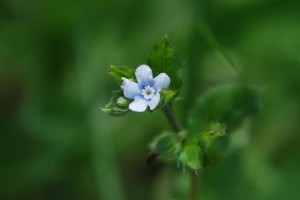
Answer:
(169, 113)
(194, 191)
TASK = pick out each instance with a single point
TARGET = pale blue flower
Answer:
(146, 92)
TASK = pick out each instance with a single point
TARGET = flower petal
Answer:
(161, 81)
(138, 105)
(130, 88)
(144, 75)
(154, 101)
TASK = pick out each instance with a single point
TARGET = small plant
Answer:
(155, 85)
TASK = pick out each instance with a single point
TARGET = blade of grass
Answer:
(209, 36)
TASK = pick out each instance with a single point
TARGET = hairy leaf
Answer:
(228, 104)
(163, 58)
(191, 156)
(166, 146)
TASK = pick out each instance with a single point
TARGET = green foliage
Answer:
(166, 96)
(191, 156)
(117, 106)
(224, 107)
(56, 145)
(166, 146)
(170, 146)
(212, 142)
(163, 58)
(228, 104)
(210, 132)
(121, 71)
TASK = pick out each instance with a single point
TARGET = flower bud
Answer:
(121, 101)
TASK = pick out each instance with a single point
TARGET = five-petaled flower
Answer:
(147, 91)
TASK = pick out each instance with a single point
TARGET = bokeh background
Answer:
(55, 143)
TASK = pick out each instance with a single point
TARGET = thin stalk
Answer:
(195, 179)
(194, 190)
(169, 113)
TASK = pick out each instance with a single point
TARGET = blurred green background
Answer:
(55, 143)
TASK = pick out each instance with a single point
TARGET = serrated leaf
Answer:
(228, 104)
(117, 72)
(191, 156)
(163, 58)
(118, 105)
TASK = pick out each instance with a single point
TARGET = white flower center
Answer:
(148, 92)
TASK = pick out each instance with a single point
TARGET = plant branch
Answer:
(168, 111)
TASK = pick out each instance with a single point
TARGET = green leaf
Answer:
(191, 156)
(121, 71)
(163, 58)
(210, 132)
(211, 142)
(166, 95)
(228, 104)
(166, 146)
(118, 105)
